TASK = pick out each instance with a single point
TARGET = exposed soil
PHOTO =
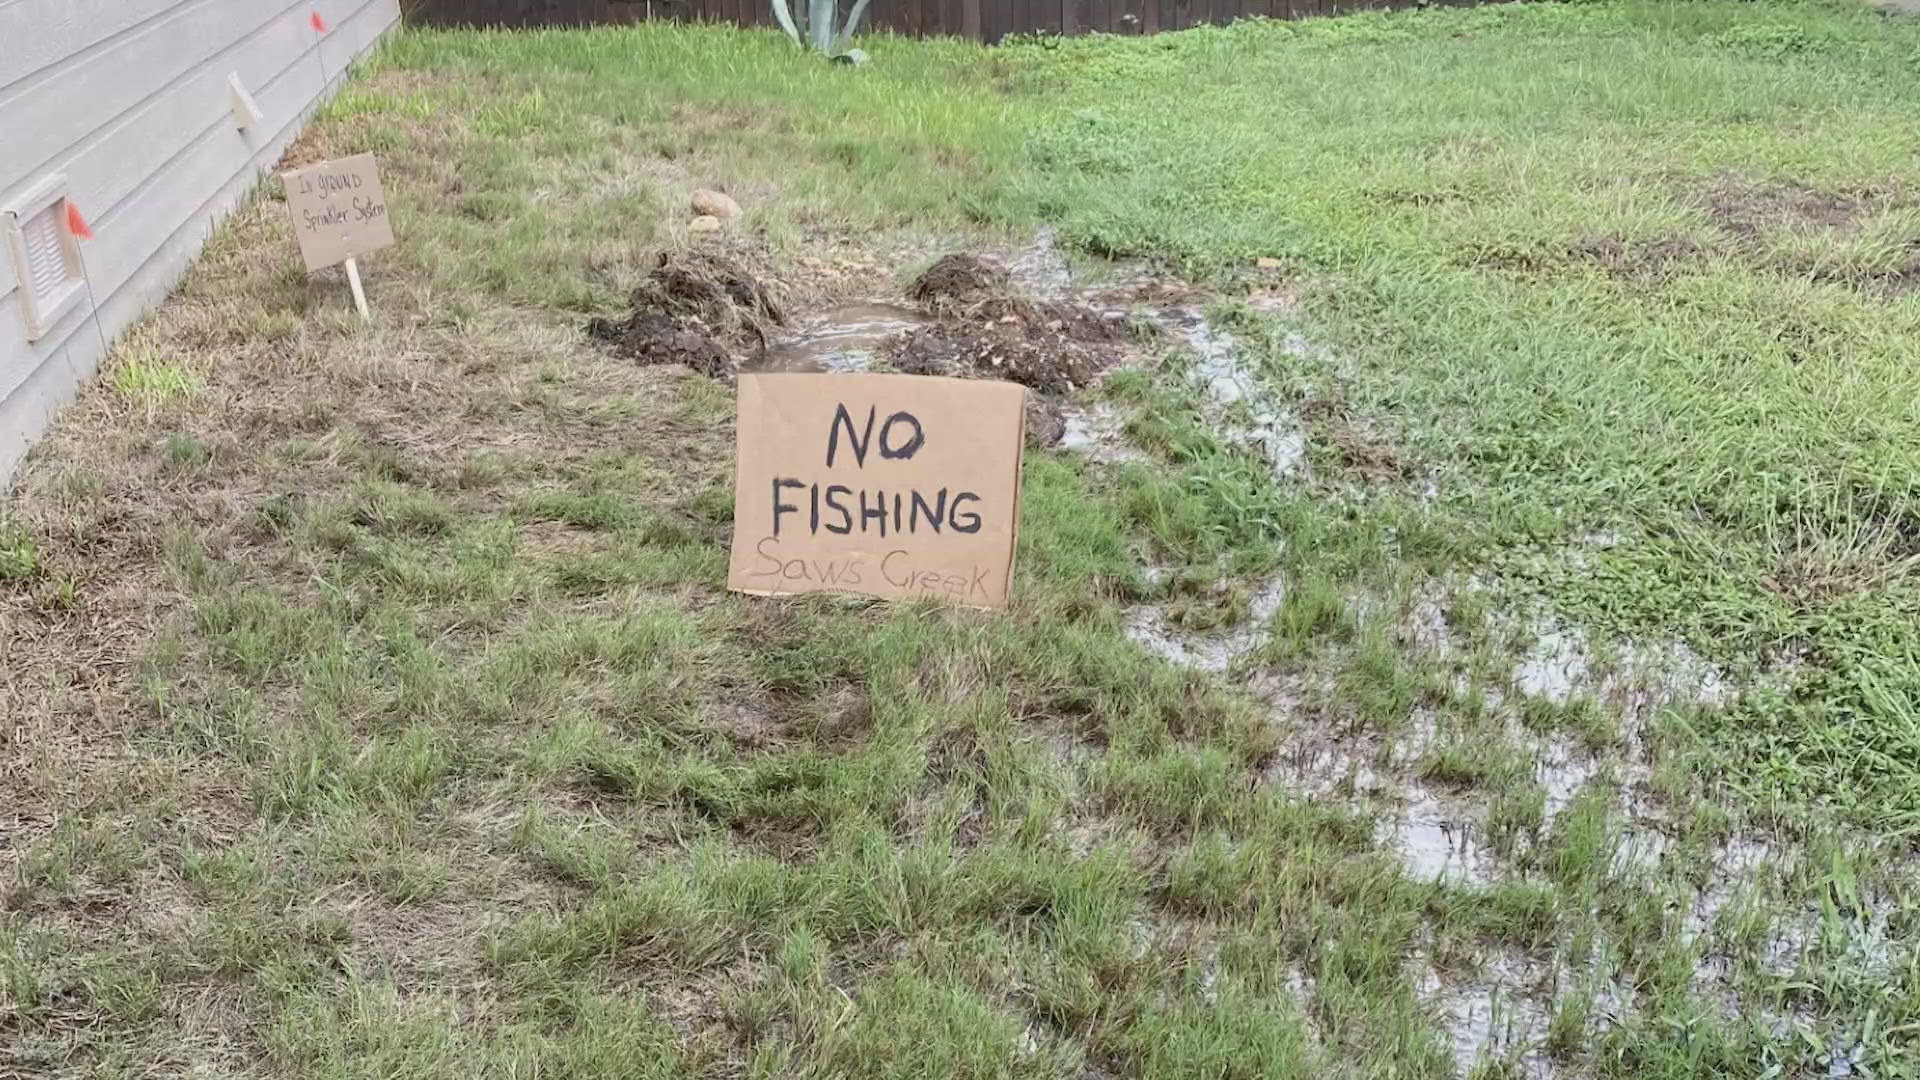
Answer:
(1749, 209)
(714, 314)
(1635, 259)
(702, 309)
(984, 327)
(986, 330)
(958, 281)
(1046, 422)
(1617, 257)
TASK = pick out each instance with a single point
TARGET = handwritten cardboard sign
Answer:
(339, 211)
(899, 486)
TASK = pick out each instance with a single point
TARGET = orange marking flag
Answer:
(76, 224)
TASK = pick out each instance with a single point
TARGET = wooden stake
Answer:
(359, 294)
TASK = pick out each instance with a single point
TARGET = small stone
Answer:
(709, 203)
(705, 223)
(851, 56)
(1046, 426)
(1266, 262)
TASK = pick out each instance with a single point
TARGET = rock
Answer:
(708, 203)
(1045, 424)
(705, 223)
(1267, 262)
(851, 56)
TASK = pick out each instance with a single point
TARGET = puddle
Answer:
(1436, 842)
(1492, 1019)
(1212, 652)
(1562, 664)
(1215, 368)
(1236, 398)
(1562, 770)
(1334, 767)
(1231, 388)
(1553, 669)
(1099, 432)
(1039, 268)
(1638, 851)
(842, 338)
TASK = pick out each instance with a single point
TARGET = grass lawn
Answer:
(374, 706)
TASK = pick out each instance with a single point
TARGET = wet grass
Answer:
(380, 711)
(1641, 318)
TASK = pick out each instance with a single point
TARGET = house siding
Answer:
(128, 99)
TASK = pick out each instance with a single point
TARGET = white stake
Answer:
(359, 294)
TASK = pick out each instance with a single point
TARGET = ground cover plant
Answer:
(1472, 635)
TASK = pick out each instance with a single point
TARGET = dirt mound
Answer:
(1048, 347)
(985, 329)
(960, 280)
(709, 312)
(701, 309)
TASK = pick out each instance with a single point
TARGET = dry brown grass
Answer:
(248, 439)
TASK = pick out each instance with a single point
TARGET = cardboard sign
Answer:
(899, 486)
(339, 211)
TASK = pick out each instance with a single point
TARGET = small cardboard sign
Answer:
(339, 211)
(897, 486)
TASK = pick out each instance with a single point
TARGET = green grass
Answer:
(378, 708)
(1474, 228)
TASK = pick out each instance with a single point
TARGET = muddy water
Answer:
(1235, 397)
(1437, 843)
(1501, 1012)
(1212, 652)
(845, 337)
(1039, 268)
(1493, 1018)
(1562, 664)
(1097, 431)
(1228, 383)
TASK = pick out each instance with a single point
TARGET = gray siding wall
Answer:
(129, 100)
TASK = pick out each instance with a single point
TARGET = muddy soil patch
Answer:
(985, 329)
(1358, 447)
(1749, 208)
(958, 281)
(715, 314)
(706, 310)
(1622, 258)
(1635, 260)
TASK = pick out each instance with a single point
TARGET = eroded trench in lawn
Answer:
(1023, 317)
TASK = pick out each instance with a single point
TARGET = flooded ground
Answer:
(842, 338)
(1438, 840)
(1503, 1011)
(1214, 653)
(1494, 1015)
(1024, 319)
(1241, 401)
(1097, 431)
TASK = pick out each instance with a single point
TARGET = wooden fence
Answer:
(983, 20)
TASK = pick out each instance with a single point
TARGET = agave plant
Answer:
(821, 34)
